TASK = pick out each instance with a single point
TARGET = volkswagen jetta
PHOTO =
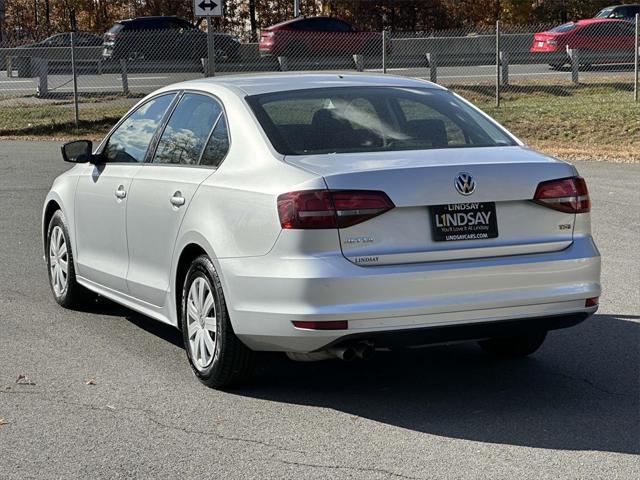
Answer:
(322, 215)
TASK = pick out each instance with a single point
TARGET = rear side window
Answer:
(370, 119)
(217, 146)
(188, 129)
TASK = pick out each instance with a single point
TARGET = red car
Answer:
(600, 38)
(318, 36)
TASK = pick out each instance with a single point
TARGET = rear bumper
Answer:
(465, 331)
(265, 294)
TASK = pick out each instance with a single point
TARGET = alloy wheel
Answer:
(201, 323)
(58, 261)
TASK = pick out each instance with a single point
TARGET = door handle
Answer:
(121, 192)
(177, 199)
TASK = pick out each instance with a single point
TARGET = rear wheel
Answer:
(513, 347)
(218, 358)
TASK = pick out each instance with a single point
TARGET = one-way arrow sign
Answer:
(210, 8)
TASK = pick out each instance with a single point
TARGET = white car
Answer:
(322, 215)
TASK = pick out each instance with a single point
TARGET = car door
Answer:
(189, 149)
(101, 196)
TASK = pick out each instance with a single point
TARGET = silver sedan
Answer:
(325, 216)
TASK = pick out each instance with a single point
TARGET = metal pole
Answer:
(296, 8)
(75, 80)
(211, 49)
(636, 58)
(497, 63)
(384, 51)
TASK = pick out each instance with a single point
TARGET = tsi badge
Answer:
(465, 184)
(357, 240)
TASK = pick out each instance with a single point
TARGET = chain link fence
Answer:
(576, 62)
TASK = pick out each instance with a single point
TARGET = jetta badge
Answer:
(465, 184)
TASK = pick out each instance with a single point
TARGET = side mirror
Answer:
(79, 151)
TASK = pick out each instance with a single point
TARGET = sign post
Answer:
(74, 28)
(209, 9)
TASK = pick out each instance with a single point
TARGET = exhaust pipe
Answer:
(346, 353)
(364, 351)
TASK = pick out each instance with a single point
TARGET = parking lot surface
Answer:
(108, 393)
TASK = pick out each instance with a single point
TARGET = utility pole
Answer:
(252, 20)
(296, 8)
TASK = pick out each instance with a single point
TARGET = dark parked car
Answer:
(318, 36)
(82, 39)
(620, 12)
(163, 38)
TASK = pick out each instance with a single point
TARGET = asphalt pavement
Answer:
(146, 82)
(108, 393)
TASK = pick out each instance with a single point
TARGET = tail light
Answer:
(268, 34)
(312, 209)
(592, 302)
(569, 195)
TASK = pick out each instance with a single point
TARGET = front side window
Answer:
(130, 141)
(188, 129)
(372, 119)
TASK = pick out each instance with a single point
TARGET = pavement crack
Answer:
(152, 416)
(593, 385)
(342, 467)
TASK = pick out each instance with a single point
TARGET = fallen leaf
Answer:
(24, 380)
(91, 381)
(111, 407)
(3, 422)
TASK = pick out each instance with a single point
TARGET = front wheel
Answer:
(513, 347)
(218, 358)
(62, 275)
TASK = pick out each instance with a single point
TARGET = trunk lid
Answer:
(417, 181)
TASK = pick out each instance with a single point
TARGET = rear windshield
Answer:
(567, 27)
(371, 119)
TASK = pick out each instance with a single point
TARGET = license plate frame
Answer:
(464, 221)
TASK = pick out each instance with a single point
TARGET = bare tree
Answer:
(2, 18)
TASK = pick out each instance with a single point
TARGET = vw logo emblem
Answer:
(465, 184)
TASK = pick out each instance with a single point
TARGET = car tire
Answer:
(513, 347)
(67, 292)
(217, 357)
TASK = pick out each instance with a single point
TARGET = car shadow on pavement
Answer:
(103, 306)
(579, 392)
